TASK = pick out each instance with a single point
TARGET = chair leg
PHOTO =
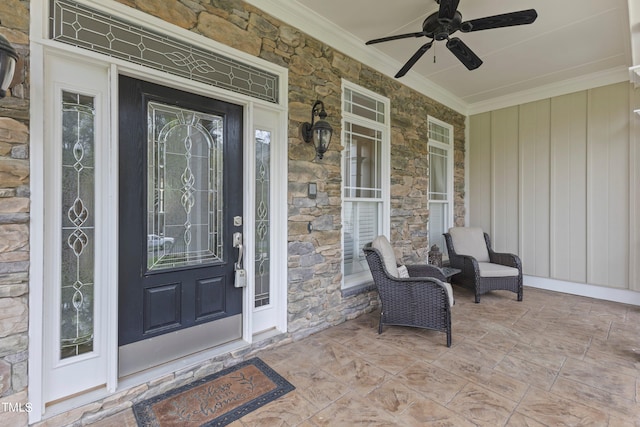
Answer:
(380, 324)
(477, 298)
(448, 337)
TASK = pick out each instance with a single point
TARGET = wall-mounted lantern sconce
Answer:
(8, 59)
(320, 132)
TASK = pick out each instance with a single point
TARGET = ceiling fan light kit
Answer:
(442, 24)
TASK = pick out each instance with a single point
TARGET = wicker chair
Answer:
(483, 270)
(420, 300)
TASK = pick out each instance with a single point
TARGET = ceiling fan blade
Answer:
(463, 53)
(447, 9)
(498, 21)
(398, 37)
(405, 69)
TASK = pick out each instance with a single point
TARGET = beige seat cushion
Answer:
(449, 289)
(381, 243)
(470, 241)
(403, 273)
(488, 269)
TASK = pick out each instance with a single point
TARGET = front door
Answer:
(180, 204)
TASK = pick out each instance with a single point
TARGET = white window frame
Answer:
(449, 148)
(364, 277)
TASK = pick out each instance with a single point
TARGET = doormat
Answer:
(215, 400)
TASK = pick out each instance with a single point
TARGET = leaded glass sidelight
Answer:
(184, 187)
(263, 178)
(78, 235)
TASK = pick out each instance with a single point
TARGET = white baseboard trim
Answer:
(624, 296)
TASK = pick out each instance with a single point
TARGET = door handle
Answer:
(241, 274)
(237, 243)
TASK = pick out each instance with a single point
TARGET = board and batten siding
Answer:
(480, 194)
(568, 255)
(555, 181)
(535, 177)
(504, 177)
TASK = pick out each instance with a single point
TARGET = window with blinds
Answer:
(365, 177)
(440, 181)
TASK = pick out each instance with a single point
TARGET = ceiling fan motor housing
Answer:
(440, 29)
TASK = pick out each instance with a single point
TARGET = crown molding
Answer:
(589, 81)
(309, 22)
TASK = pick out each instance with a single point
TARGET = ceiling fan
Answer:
(440, 25)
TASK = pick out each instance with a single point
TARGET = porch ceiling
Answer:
(573, 43)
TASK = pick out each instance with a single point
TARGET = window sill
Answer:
(358, 289)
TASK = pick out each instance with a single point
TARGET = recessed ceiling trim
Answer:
(589, 81)
(319, 27)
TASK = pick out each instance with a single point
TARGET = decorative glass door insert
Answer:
(184, 218)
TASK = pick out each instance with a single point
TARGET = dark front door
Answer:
(180, 190)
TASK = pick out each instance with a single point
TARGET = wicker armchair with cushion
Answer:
(418, 299)
(483, 270)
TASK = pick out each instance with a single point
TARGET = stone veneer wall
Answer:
(314, 259)
(315, 72)
(14, 218)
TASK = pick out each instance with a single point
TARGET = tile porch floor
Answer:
(551, 360)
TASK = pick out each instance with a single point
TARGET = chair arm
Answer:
(426, 270)
(466, 263)
(510, 260)
(428, 282)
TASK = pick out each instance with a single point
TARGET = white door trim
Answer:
(40, 46)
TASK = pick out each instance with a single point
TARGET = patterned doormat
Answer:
(215, 400)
